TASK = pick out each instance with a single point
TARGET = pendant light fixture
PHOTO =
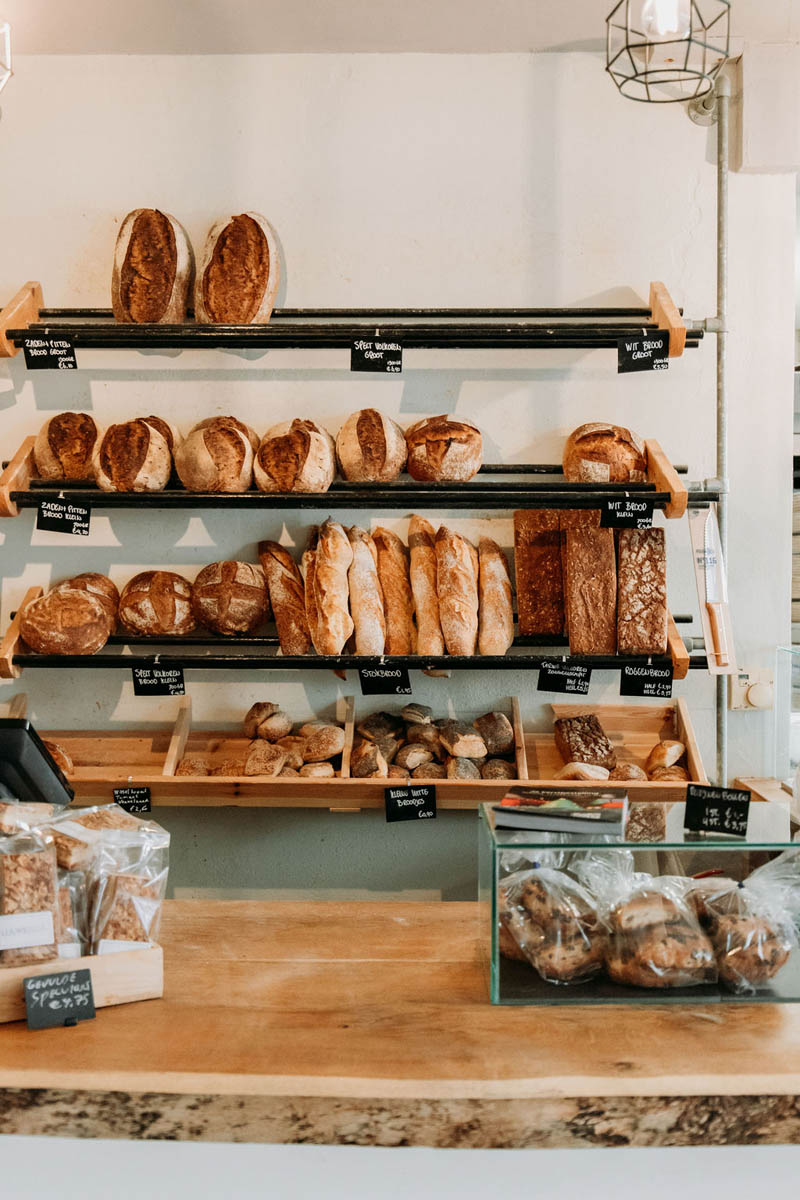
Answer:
(663, 51)
(5, 54)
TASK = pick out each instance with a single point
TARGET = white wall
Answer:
(402, 180)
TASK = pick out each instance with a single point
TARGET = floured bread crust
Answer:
(239, 272)
(153, 269)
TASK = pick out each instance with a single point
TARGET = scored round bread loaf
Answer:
(65, 621)
(167, 431)
(443, 449)
(371, 447)
(604, 453)
(133, 456)
(295, 456)
(665, 753)
(64, 446)
(157, 602)
(153, 269)
(217, 456)
(101, 587)
(230, 597)
(238, 273)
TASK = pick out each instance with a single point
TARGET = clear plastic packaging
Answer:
(28, 899)
(128, 883)
(552, 920)
(72, 914)
(77, 833)
(655, 939)
(17, 814)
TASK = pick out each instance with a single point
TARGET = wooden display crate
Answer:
(116, 978)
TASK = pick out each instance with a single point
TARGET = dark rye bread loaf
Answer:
(591, 591)
(64, 446)
(239, 272)
(153, 269)
(539, 578)
(642, 594)
(582, 739)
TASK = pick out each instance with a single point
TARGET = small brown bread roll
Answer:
(257, 713)
(157, 602)
(497, 732)
(416, 714)
(65, 621)
(288, 772)
(319, 770)
(64, 446)
(461, 768)
(306, 730)
(626, 771)
(366, 594)
(427, 736)
(749, 951)
(230, 597)
(97, 585)
(239, 272)
(228, 766)
(398, 602)
(294, 747)
(431, 770)
(132, 457)
(378, 725)
(603, 453)
(332, 560)
(263, 758)
(457, 586)
(273, 727)
(496, 613)
(295, 456)
(396, 772)
(676, 774)
(412, 756)
(192, 766)
(443, 449)
(422, 573)
(371, 448)
(498, 768)
(216, 456)
(461, 740)
(287, 597)
(323, 744)
(153, 269)
(366, 759)
(59, 757)
(388, 747)
(664, 754)
(577, 770)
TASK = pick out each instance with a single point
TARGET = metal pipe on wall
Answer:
(723, 95)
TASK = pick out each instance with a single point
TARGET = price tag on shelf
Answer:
(646, 680)
(650, 352)
(384, 681)
(59, 516)
(377, 355)
(158, 681)
(560, 675)
(133, 799)
(626, 512)
(49, 352)
(61, 998)
(716, 810)
(410, 803)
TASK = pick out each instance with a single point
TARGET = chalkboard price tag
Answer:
(384, 681)
(650, 352)
(561, 676)
(49, 352)
(376, 354)
(60, 516)
(646, 680)
(158, 681)
(63, 998)
(133, 799)
(410, 803)
(626, 512)
(716, 810)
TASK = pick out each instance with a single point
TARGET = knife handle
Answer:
(716, 620)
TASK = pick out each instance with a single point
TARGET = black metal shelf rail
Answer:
(331, 328)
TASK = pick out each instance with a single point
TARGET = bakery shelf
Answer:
(123, 978)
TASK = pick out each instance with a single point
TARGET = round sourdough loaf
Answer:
(132, 457)
(230, 597)
(217, 456)
(157, 602)
(371, 447)
(64, 446)
(239, 272)
(295, 456)
(167, 431)
(153, 269)
(65, 621)
(443, 450)
(99, 586)
(604, 453)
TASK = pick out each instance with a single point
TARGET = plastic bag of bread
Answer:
(77, 833)
(554, 922)
(28, 898)
(71, 932)
(21, 815)
(127, 885)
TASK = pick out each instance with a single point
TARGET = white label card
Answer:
(19, 930)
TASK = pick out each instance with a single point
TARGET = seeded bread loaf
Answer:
(153, 269)
(64, 446)
(238, 273)
(591, 591)
(642, 592)
(583, 739)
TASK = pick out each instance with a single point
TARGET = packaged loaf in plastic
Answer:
(71, 934)
(78, 832)
(28, 899)
(16, 814)
(553, 921)
(127, 885)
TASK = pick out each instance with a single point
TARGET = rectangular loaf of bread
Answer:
(582, 739)
(642, 593)
(591, 591)
(537, 565)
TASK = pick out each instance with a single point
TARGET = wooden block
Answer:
(666, 316)
(16, 477)
(685, 733)
(661, 472)
(11, 639)
(349, 733)
(519, 739)
(177, 745)
(18, 706)
(18, 314)
(116, 978)
(676, 648)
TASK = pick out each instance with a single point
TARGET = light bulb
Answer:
(666, 19)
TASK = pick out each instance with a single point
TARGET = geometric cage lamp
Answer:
(665, 51)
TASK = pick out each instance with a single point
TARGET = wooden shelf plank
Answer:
(20, 312)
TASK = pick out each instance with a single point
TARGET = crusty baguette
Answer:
(287, 597)
(398, 602)
(457, 586)
(333, 558)
(308, 569)
(366, 595)
(496, 618)
(421, 545)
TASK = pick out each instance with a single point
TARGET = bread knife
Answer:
(716, 589)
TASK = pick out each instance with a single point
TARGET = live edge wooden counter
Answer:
(369, 1024)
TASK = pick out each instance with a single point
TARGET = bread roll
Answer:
(157, 602)
(457, 587)
(323, 744)
(371, 448)
(153, 269)
(366, 594)
(366, 759)
(230, 597)
(287, 597)
(296, 456)
(217, 456)
(676, 774)
(461, 740)
(332, 592)
(496, 731)
(239, 272)
(65, 621)
(398, 602)
(263, 758)
(64, 446)
(496, 613)
(443, 449)
(422, 552)
(627, 771)
(604, 453)
(498, 768)
(132, 457)
(461, 768)
(322, 770)
(577, 770)
(664, 754)
(101, 587)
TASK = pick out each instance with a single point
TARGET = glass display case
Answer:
(572, 919)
